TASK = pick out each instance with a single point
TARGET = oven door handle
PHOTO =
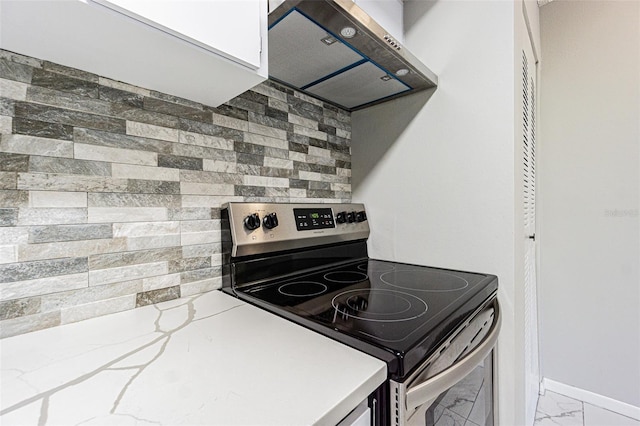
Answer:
(431, 388)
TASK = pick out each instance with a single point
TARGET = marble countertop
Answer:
(207, 359)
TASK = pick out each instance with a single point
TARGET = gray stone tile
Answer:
(34, 145)
(305, 109)
(247, 105)
(298, 147)
(46, 234)
(211, 130)
(70, 72)
(178, 110)
(209, 177)
(15, 71)
(65, 299)
(42, 129)
(116, 140)
(202, 152)
(20, 59)
(113, 95)
(182, 265)
(96, 309)
(10, 162)
(338, 140)
(29, 323)
(76, 183)
(273, 122)
(68, 166)
(133, 200)
(67, 100)
(8, 217)
(318, 143)
(65, 116)
(254, 159)
(14, 198)
(19, 307)
(65, 83)
(137, 186)
(175, 99)
(42, 268)
(178, 162)
(256, 97)
(299, 183)
(330, 130)
(319, 193)
(189, 213)
(115, 260)
(249, 169)
(320, 185)
(343, 164)
(250, 191)
(157, 296)
(276, 153)
(7, 106)
(276, 172)
(230, 111)
(51, 216)
(248, 148)
(8, 180)
(134, 113)
(200, 274)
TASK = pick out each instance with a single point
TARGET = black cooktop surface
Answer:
(404, 309)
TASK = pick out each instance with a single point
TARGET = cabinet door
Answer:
(230, 28)
(93, 37)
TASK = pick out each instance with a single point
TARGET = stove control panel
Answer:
(310, 219)
(257, 228)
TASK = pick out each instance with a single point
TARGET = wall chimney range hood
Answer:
(334, 51)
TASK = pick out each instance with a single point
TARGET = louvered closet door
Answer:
(532, 370)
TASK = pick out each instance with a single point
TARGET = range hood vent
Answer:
(334, 51)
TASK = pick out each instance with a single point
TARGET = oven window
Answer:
(468, 402)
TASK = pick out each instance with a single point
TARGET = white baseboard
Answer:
(592, 398)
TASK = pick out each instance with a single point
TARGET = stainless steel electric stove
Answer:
(309, 264)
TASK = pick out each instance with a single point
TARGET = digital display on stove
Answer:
(310, 219)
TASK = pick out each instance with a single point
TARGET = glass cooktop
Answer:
(395, 306)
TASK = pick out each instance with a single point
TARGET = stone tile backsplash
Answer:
(110, 194)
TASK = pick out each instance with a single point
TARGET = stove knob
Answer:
(361, 216)
(351, 217)
(270, 221)
(252, 222)
(341, 217)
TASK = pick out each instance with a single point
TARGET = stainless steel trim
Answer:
(433, 387)
(414, 393)
(286, 236)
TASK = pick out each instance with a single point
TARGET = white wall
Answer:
(589, 188)
(436, 169)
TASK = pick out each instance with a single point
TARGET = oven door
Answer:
(456, 386)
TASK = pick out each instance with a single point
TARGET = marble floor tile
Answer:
(596, 416)
(558, 410)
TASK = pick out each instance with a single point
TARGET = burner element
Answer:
(424, 280)
(345, 277)
(372, 267)
(378, 305)
(302, 289)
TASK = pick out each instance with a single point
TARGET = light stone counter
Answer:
(207, 359)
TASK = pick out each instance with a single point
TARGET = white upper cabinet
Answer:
(228, 27)
(208, 51)
(387, 13)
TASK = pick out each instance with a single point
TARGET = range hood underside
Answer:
(307, 53)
